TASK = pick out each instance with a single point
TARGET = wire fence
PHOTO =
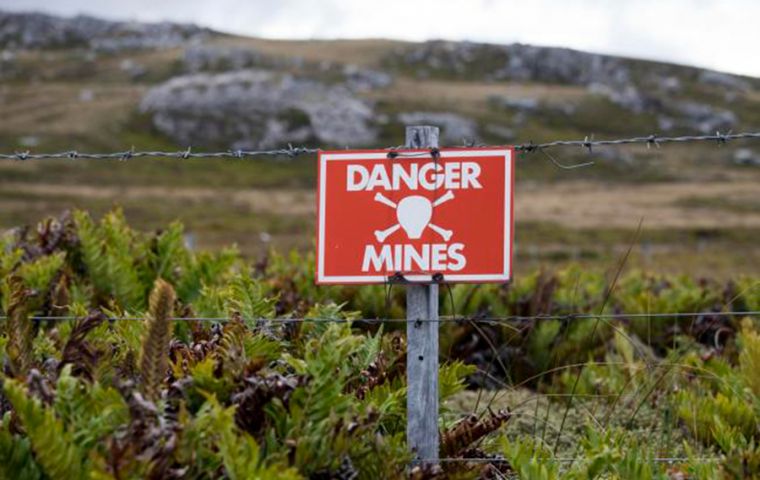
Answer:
(588, 143)
(442, 319)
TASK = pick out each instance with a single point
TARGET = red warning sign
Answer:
(415, 213)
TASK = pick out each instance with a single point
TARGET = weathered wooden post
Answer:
(422, 345)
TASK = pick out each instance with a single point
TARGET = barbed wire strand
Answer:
(443, 319)
(653, 140)
(557, 460)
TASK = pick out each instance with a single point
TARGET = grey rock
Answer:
(628, 96)
(36, 30)
(723, 80)
(516, 62)
(133, 69)
(454, 128)
(665, 123)
(667, 84)
(520, 104)
(258, 109)
(201, 57)
(746, 156)
(702, 117)
(364, 79)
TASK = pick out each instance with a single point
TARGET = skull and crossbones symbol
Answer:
(413, 214)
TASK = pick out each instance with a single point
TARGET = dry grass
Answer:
(58, 110)
(592, 205)
(455, 94)
(367, 52)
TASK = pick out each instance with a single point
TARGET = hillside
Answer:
(89, 84)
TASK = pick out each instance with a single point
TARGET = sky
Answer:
(706, 33)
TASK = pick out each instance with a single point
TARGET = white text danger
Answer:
(427, 176)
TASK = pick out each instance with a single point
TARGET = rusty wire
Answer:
(653, 140)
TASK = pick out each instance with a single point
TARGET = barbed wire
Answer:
(558, 460)
(442, 319)
(289, 151)
(653, 140)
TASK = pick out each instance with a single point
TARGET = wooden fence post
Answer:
(422, 345)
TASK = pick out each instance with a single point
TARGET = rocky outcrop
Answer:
(698, 117)
(611, 77)
(514, 62)
(222, 58)
(204, 58)
(36, 30)
(257, 108)
(602, 74)
(364, 79)
(724, 81)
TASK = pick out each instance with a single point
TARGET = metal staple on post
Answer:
(422, 345)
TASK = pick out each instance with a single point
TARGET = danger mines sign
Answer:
(415, 214)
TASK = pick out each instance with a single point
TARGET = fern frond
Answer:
(16, 458)
(232, 348)
(155, 348)
(108, 252)
(53, 446)
(19, 327)
(250, 298)
(241, 455)
(78, 352)
(60, 297)
(90, 412)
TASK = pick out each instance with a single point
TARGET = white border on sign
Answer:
(360, 279)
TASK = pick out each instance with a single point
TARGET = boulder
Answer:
(258, 109)
(746, 156)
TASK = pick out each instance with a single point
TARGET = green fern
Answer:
(239, 452)
(53, 446)
(16, 459)
(90, 412)
(749, 358)
(108, 251)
